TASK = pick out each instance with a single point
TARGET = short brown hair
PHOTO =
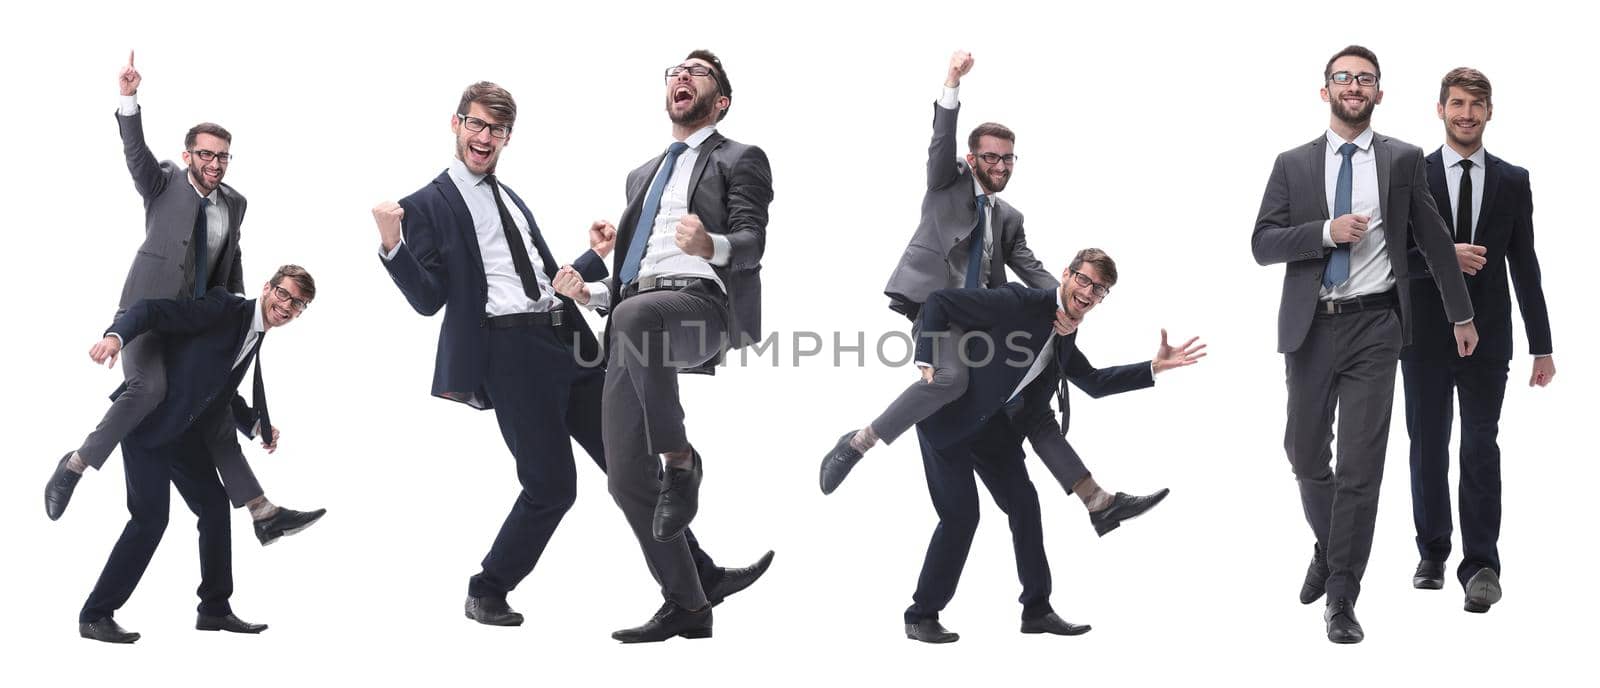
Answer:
(724, 87)
(997, 130)
(1467, 79)
(205, 128)
(1355, 51)
(302, 280)
(493, 98)
(1102, 263)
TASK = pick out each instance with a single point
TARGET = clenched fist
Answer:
(960, 64)
(569, 284)
(602, 237)
(388, 215)
(692, 237)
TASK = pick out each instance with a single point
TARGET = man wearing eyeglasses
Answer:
(509, 342)
(1338, 213)
(686, 286)
(191, 244)
(208, 343)
(1491, 204)
(1018, 364)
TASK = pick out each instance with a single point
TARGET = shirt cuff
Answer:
(721, 250)
(392, 252)
(128, 106)
(1464, 321)
(599, 295)
(1327, 234)
(950, 99)
(1544, 355)
(921, 364)
(1153, 370)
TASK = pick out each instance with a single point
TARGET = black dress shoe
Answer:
(1483, 590)
(670, 620)
(1124, 507)
(734, 580)
(837, 464)
(106, 631)
(1316, 576)
(285, 522)
(229, 623)
(58, 492)
(930, 631)
(1429, 575)
(1342, 625)
(1053, 624)
(492, 611)
(677, 502)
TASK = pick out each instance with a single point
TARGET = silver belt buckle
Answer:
(556, 317)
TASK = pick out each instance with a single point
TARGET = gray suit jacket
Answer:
(949, 214)
(164, 267)
(1289, 230)
(730, 189)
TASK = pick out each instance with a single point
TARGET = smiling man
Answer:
(191, 244)
(686, 286)
(1490, 203)
(1338, 213)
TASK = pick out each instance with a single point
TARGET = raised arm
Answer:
(148, 177)
(410, 253)
(943, 169)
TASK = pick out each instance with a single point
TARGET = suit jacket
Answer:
(729, 189)
(1019, 321)
(1295, 206)
(439, 264)
(1505, 228)
(200, 340)
(949, 214)
(164, 267)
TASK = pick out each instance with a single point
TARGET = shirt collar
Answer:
(1363, 140)
(978, 190)
(1452, 158)
(700, 135)
(462, 175)
(213, 196)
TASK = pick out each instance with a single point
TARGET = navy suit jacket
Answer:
(1505, 229)
(439, 265)
(1018, 321)
(200, 340)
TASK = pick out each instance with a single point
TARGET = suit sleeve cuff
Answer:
(721, 250)
(950, 98)
(392, 252)
(128, 106)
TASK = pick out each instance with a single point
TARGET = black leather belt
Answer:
(550, 318)
(1356, 304)
(645, 284)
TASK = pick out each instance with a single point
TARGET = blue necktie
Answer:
(1339, 261)
(647, 215)
(975, 252)
(202, 255)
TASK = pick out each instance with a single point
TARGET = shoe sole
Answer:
(692, 634)
(935, 641)
(509, 623)
(1076, 631)
(131, 639)
(291, 531)
(198, 627)
(1480, 597)
(1427, 583)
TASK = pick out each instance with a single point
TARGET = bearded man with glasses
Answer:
(191, 244)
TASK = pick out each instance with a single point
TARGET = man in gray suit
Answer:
(686, 281)
(1344, 280)
(191, 244)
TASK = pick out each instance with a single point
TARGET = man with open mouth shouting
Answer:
(686, 286)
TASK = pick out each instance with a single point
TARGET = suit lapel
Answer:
(1440, 189)
(1384, 156)
(1319, 172)
(463, 221)
(710, 145)
(1491, 186)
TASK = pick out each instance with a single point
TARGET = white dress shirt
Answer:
(662, 257)
(1452, 181)
(258, 325)
(1370, 271)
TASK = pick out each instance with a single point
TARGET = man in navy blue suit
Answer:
(468, 244)
(207, 345)
(1489, 204)
(1017, 363)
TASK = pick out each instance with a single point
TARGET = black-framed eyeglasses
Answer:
(296, 305)
(692, 69)
(209, 155)
(1099, 290)
(996, 158)
(1367, 79)
(475, 125)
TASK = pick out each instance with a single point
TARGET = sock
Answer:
(1094, 498)
(76, 464)
(682, 461)
(864, 439)
(261, 509)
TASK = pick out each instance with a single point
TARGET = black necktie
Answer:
(202, 255)
(975, 266)
(519, 250)
(259, 396)
(1464, 205)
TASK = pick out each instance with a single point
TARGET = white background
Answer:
(1146, 130)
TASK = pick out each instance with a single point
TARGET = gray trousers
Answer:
(651, 336)
(146, 374)
(1347, 362)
